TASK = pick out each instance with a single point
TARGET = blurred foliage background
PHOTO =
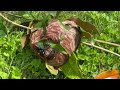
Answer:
(18, 63)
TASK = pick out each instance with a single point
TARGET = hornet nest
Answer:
(69, 39)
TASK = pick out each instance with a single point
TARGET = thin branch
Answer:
(92, 45)
(109, 43)
(14, 22)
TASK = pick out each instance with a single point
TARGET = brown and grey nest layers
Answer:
(57, 33)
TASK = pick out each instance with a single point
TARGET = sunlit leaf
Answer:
(3, 75)
(16, 73)
(51, 69)
(110, 74)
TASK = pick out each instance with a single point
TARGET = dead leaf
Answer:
(85, 25)
(110, 74)
(25, 40)
(87, 34)
(51, 69)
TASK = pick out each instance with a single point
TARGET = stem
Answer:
(10, 68)
(101, 48)
(109, 43)
(14, 22)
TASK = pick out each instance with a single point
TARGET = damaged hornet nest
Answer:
(65, 34)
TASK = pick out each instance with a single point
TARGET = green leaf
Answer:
(69, 72)
(16, 73)
(40, 44)
(6, 54)
(51, 69)
(38, 25)
(57, 47)
(35, 63)
(54, 14)
(71, 69)
(2, 33)
(65, 26)
(3, 75)
(44, 24)
(28, 16)
(2, 28)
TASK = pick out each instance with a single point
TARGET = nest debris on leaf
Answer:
(68, 38)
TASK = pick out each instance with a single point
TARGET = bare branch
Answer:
(14, 22)
(92, 45)
(109, 43)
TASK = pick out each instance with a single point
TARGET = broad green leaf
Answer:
(40, 44)
(54, 14)
(44, 24)
(73, 63)
(71, 68)
(69, 72)
(65, 26)
(51, 69)
(38, 25)
(58, 47)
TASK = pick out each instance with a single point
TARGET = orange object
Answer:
(110, 74)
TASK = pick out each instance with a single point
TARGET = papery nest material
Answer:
(69, 39)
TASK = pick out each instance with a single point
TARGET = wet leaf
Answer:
(25, 40)
(3, 75)
(51, 69)
(110, 74)
(16, 73)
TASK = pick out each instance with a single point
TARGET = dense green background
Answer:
(17, 63)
